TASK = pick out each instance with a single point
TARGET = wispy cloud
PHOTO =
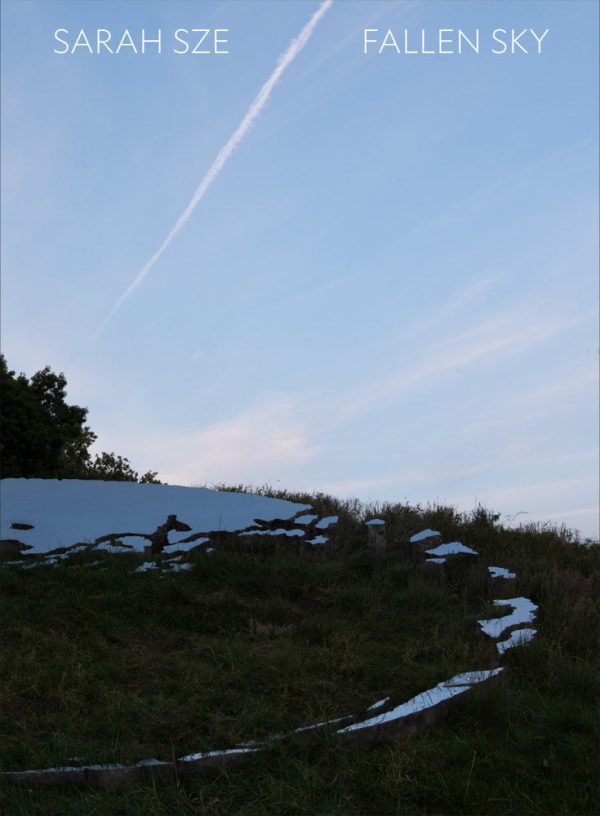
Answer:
(541, 402)
(557, 391)
(474, 290)
(510, 333)
(270, 435)
(228, 148)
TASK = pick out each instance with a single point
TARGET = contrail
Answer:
(254, 110)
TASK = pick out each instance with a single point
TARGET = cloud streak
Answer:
(223, 155)
(270, 436)
(506, 334)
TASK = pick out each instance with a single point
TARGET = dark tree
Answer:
(42, 436)
(113, 468)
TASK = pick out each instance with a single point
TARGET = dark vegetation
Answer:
(42, 436)
(108, 666)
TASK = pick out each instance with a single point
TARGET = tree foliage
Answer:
(42, 436)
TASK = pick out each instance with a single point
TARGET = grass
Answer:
(111, 666)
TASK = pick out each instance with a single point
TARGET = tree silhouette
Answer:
(42, 436)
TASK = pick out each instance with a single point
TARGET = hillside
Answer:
(155, 623)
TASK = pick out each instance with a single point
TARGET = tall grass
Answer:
(107, 665)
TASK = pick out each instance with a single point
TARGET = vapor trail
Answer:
(254, 110)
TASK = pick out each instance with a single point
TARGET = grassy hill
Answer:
(108, 665)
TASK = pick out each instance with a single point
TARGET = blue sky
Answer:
(390, 290)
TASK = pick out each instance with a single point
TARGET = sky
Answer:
(389, 288)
